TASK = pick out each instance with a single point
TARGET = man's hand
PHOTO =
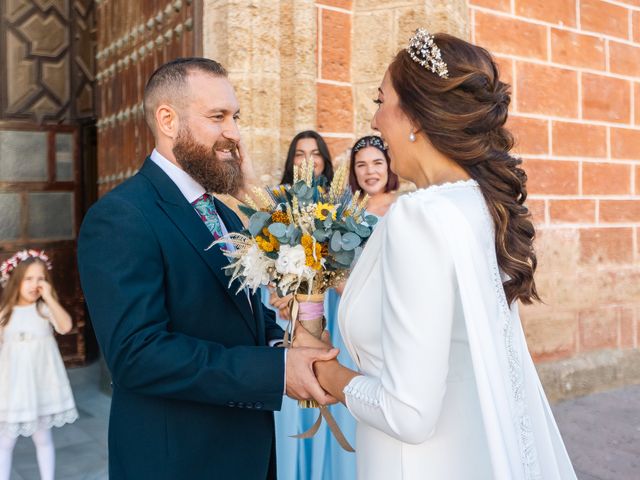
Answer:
(246, 165)
(249, 178)
(301, 382)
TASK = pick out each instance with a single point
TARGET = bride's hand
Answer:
(302, 338)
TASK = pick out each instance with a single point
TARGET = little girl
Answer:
(34, 389)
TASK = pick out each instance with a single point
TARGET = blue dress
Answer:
(320, 457)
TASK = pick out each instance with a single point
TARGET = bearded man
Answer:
(196, 374)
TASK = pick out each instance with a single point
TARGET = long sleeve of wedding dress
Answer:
(416, 329)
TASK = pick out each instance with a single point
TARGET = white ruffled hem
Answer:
(45, 422)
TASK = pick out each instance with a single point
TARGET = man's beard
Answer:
(202, 163)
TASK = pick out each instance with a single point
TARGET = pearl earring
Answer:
(412, 137)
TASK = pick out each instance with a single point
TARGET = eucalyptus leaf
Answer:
(294, 238)
(320, 235)
(278, 229)
(303, 192)
(248, 211)
(351, 224)
(371, 220)
(328, 221)
(257, 222)
(350, 241)
(299, 185)
(345, 257)
(363, 231)
(336, 242)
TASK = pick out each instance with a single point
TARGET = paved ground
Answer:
(601, 431)
(81, 448)
(602, 434)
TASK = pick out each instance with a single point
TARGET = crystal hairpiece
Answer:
(10, 264)
(423, 50)
(372, 141)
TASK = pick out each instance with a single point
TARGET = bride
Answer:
(446, 388)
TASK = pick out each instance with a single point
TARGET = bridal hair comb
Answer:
(10, 264)
(423, 50)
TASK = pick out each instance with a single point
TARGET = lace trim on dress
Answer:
(358, 395)
(26, 429)
(521, 419)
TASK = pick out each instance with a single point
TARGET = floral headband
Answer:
(9, 265)
(370, 141)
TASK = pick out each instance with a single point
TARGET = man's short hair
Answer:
(169, 82)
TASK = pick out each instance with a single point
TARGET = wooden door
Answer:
(47, 120)
(134, 38)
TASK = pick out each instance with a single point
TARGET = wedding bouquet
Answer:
(301, 238)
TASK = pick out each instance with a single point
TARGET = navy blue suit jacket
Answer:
(194, 382)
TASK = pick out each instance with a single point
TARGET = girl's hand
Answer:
(44, 290)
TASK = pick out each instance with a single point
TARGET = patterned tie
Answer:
(206, 208)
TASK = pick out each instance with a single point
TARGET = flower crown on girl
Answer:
(9, 265)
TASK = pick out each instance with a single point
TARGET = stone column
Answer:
(269, 50)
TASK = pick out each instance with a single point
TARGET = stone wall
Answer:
(269, 49)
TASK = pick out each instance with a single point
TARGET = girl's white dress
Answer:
(448, 389)
(34, 388)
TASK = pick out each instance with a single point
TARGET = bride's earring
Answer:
(412, 137)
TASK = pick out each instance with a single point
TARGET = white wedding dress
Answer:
(448, 390)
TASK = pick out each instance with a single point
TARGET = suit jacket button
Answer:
(240, 404)
(231, 404)
(258, 405)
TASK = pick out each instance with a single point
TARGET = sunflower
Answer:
(324, 209)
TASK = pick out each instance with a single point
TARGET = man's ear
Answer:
(167, 121)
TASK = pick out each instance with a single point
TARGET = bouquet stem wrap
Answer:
(308, 311)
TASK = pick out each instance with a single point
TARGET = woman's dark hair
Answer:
(463, 116)
(375, 142)
(287, 176)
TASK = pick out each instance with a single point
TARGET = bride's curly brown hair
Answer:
(463, 117)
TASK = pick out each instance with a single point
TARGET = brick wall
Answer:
(335, 88)
(575, 70)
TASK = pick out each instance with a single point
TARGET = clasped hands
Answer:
(302, 383)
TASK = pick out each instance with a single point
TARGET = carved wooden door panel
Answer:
(134, 38)
(46, 121)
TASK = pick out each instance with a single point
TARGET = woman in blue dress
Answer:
(321, 457)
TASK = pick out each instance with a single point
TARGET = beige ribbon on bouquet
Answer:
(315, 327)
